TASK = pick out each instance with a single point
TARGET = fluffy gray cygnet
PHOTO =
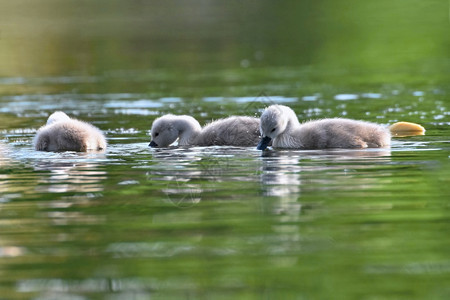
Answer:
(61, 133)
(280, 125)
(232, 131)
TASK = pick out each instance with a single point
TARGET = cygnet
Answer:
(232, 131)
(279, 125)
(61, 133)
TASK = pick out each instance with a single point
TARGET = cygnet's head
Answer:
(57, 117)
(163, 131)
(273, 122)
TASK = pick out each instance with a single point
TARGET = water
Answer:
(223, 222)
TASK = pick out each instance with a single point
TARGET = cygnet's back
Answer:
(65, 134)
(342, 133)
(232, 131)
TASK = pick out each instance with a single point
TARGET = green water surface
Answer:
(224, 222)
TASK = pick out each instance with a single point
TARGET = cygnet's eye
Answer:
(273, 129)
(156, 134)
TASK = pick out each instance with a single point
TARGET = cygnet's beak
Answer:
(265, 141)
(153, 144)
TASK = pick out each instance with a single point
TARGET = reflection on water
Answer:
(166, 208)
(6, 192)
(174, 169)
(223, 222)
(283, 170)
(4, 154)
(287, 175)
(55, 288)
(188, 173)
(67, 176)
(159, 210)
(56, 172)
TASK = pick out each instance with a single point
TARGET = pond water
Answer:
(224, 222)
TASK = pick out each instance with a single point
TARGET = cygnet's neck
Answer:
(188, 129)
(290, 115)
(57, 117)
(285, 139)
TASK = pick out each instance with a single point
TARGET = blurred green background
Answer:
(401, 40)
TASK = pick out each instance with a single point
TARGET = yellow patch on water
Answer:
(406, 129)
